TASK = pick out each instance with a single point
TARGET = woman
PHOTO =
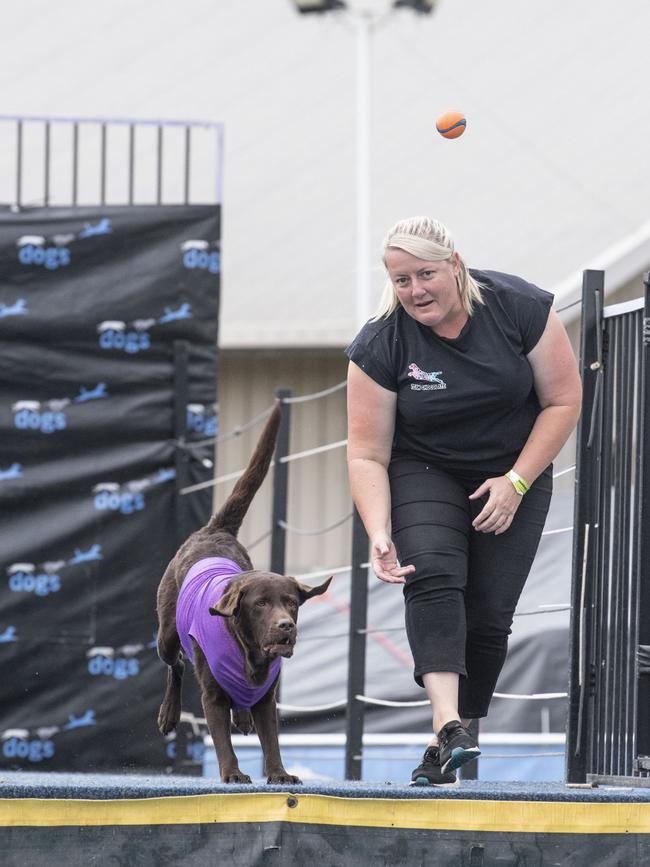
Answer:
(461, 391)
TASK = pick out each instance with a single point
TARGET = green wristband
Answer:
(520, 485)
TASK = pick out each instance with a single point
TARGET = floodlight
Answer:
(424, 6)
(305, 6)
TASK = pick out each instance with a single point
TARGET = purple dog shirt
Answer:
(203, 586)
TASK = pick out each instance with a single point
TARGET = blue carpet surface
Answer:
(28, 784)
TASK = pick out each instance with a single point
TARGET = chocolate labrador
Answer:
(234, 623)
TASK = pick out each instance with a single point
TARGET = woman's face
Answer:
(428, 291)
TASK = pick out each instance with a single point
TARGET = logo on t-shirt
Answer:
(426, 381)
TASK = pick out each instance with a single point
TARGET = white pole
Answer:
(364, 26)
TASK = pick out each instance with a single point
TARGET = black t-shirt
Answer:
(467, 403)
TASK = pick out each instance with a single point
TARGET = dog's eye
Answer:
(261, 603)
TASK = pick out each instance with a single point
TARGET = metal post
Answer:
(643, 547)
(188, 147)
(19, 162)
(131, 162)
(280, 487)
(75, 163)
(102, 163)
(181, 457)
(46, 177)
(585, 519)
(356, 650)
(159, 165)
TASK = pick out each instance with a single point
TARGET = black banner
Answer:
(108, 336)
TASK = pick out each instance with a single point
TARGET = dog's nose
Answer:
(286, 624)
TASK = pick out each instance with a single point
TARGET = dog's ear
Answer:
(228, 605)
(306, 592)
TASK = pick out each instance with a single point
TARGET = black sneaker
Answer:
(429, 772)
(457, 746)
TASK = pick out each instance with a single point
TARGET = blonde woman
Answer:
(461, 391)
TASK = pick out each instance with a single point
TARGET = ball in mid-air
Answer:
(451, 124)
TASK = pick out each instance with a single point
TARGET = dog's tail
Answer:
(231, 514)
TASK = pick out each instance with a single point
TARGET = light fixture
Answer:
(305, 6)
(424, 6)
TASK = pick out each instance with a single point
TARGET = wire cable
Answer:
(316, 395)
(318, 531)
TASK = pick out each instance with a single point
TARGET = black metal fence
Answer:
(55, 161)
(608, 732)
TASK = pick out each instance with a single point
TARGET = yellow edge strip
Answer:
(536, 817)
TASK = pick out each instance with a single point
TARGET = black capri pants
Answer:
(461, 599)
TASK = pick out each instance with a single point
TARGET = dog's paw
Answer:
(168, 719)
(283, 779)
(236, 777)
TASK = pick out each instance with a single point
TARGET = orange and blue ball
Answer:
(451, 124)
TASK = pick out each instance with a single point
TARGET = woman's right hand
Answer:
(383, 557)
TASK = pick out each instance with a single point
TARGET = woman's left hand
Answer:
(499, 510)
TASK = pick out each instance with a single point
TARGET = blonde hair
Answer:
(427, 239)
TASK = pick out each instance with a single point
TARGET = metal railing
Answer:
(59, 161)
(608, 737)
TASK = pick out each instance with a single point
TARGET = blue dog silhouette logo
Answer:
(102, 227)
(13, 471)
(198, 254)
(95, 393)
(18, 308)
(86, 719)
(8, 635)
(92, 553)
(171, 314)
(33, 250)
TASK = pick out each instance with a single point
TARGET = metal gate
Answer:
(608, 734)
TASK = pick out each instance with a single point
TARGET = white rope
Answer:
(229, 477)
(560, 530)
(238, 430)
(541, 609)
(323, 573)
(212, 483)
(315, 395)
(300, 532)
(314, 451)
(538, 696)
(296, 708)
(380, 702)
(562, 472)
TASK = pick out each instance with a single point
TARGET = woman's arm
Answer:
(371, 422)
(559, 391)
